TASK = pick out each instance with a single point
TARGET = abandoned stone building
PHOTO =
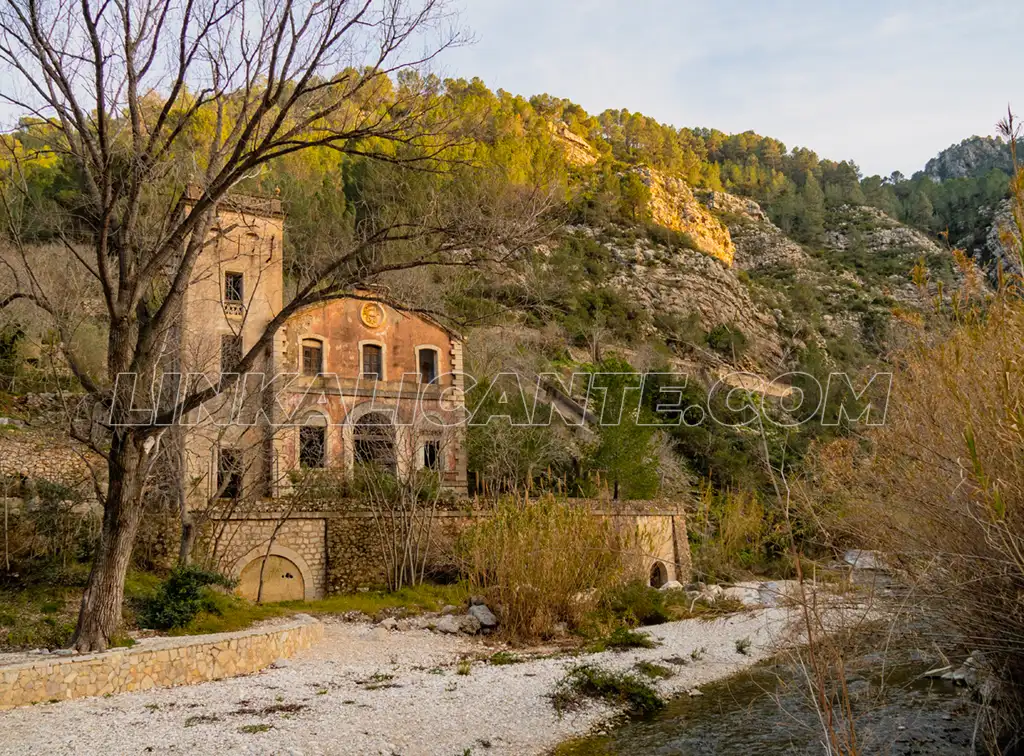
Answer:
(352, 380)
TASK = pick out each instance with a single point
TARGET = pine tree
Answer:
(812, 215)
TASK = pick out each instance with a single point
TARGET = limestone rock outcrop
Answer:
(758, 242)
(674, 206)
(1003, 242)
(682, 281)
(578, 151)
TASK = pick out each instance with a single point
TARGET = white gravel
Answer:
(426, 707)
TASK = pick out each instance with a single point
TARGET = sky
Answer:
(886, 84)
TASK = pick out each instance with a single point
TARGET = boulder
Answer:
(671, 585)
(469, 624)
(484, 615)
(389, 624)
(860, 559)
(448, 624)
(746, 595)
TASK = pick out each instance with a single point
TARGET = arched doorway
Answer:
(659, 575)
(374, 441)
(282, 580)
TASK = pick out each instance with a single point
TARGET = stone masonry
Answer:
(164, 662)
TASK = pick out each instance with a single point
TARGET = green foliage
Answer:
(615, 688)
(181, 597)
(623, 456)
(501, 658)
(622, 639)
(653, 671)
(636, 603)
(728, 340)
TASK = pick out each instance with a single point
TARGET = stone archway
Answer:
(286, 577)
(659, 575)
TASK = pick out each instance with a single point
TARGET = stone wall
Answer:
(351, 557)
(39, 455)
(163, 662)
(300, 538)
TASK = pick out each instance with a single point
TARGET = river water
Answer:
(767, 711)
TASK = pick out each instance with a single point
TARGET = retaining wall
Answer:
(156, 663)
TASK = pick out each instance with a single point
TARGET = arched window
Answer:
(312, 357)
(313, 442)
(374, 437)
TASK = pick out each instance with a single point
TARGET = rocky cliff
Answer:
(974, 156)
(674, 206)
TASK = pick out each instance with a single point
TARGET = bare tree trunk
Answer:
(100, 614)
(188, 538)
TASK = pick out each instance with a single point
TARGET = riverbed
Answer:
(768, 710)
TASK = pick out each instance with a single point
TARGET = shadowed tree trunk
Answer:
(100, 614)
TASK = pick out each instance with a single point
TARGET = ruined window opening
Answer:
(229, 473)
(312, 446)
(230, 352)
(312, 357)
(373, 362)
(233, 287)
(432, 454)
(374, 437)
(428, 365)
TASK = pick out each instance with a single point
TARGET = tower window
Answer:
(428, 365)
(373, 362)
(229, 474)
(312, 357)
(432, 454)
(312, 446)
(233, 287)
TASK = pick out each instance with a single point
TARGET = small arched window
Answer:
(312, 357)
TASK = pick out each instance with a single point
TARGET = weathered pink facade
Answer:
(349, 370)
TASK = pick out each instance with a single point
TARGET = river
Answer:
(767, 710)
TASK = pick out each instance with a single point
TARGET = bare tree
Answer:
(154, 110)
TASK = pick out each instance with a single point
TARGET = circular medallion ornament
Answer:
(372, 315)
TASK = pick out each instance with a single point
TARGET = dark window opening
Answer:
(375, 441)
(233, 288)
(432, 455)
(312, 357)
(312, 446)
(659, 575)
(230, 352)
(229, 474)
(373, 361)
(428, 366)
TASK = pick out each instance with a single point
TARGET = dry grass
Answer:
(546, 561)
(942, 492)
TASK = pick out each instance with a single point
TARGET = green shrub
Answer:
(622, 639)
(616, 688)
(178, 600)
(727, 340)
(653, 671)
(636, 603)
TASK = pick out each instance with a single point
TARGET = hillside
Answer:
(683, 250)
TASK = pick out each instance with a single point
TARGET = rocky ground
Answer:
(368, 689)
